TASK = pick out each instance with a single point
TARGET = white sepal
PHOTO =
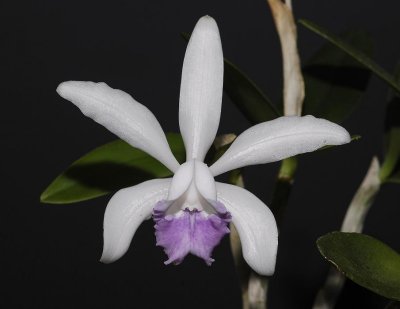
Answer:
(279, 139)
(122, 115)
(201, 89)
(126, 210)
(255, 224)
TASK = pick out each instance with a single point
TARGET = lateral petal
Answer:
(255, 224)
(181, 180)
(279, 139)
(204, 181)
(126, 210)
(122, 115)
(201, 89)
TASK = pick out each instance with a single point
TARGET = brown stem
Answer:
(293, 82)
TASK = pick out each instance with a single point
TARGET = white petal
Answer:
(279, 139)
(127, 209)
(122, 115)
(255, 224)
(201, 89)
(205, 181)
(181, 180)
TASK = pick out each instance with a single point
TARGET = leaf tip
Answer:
(44, 197)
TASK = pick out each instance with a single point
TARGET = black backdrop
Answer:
(49, 254)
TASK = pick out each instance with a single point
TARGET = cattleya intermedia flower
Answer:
(191, 210)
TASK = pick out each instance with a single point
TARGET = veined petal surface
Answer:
(279, 139)
(127, 209)
(201, 89)
(122, 115)
(255, 224)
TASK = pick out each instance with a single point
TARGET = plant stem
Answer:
(363, 199)
(254, 287)
(282, 189)
(293, 81)
(242, 269)
(289, 4)
(353, 222)
(258, 290)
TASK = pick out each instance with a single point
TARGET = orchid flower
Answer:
(191, 210)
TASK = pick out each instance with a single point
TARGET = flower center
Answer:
(190, 220)
(192, 187)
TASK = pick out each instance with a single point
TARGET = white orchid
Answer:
(191, 210)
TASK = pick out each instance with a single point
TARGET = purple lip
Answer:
(189, 231)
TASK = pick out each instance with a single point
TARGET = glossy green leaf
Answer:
(245, 94)
(358, 55)
(108, 168)
(364, 260)
(335, 81)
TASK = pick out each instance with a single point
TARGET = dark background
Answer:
(49, 254)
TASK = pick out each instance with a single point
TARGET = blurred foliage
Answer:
(352, 51)
(335, 81)
(390, 171)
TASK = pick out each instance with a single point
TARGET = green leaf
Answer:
(334, 81)
(245, 94)
(358, 55)
(364, 260)
(394, 178)
(390, 170)
(282, 188)
(108, 168)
